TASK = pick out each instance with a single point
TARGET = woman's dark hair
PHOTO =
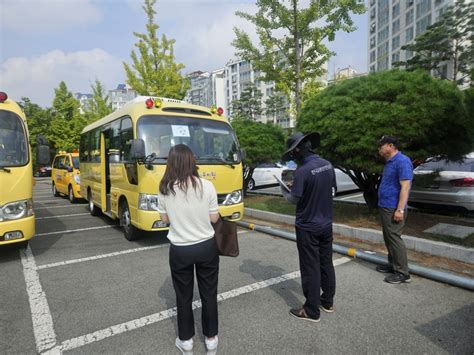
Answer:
(181, 169)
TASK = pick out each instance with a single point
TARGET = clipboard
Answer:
(280, 181)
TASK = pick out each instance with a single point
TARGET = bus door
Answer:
(105, 169)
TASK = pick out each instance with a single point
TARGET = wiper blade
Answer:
(222, 160)
(5, 169)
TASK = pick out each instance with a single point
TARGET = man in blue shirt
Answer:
(393, 196)
(311, 191)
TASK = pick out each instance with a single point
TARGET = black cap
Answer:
(298, 139)
(388, 140)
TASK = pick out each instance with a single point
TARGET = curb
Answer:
(431, 247)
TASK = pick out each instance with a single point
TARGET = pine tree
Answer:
(154, 70)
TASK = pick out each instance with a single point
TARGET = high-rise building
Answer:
(84, 100)
(394, 23)
(121, 95)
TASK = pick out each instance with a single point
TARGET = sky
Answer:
(78, 41)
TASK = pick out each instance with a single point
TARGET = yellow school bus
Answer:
(66, 176)
(123, 158)
(17, 220)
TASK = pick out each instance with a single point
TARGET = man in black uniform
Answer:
(311, 191)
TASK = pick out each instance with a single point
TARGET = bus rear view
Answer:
(17, 221)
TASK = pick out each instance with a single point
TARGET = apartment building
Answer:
(394, 23)
(121, 95)
(83, 101)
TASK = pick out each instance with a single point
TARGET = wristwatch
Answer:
(401, 211)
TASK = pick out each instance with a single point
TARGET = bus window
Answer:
(209, 140)
(126, 136)
(13, 144)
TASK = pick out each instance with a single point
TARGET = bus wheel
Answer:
(23, 245)
(70, 194)
(93, 209)
(55, 191)
(129, 230)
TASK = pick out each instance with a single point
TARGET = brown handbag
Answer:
(226, 237)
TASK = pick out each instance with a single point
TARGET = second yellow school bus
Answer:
(123, 158)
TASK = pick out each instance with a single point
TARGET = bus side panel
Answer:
(90, 179)
(122, 189)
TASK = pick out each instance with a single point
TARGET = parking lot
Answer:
(81, 287)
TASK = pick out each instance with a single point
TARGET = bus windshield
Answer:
(212, 142)
(75, 162)
(13, 142)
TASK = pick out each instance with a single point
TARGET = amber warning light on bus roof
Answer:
(3, 96)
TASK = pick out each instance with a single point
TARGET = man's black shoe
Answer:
(385, 269)
(397, 278)
(300, 313)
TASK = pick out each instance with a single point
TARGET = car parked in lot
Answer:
(343, 181)
(439, 182)
(263, 175)
(43, 170)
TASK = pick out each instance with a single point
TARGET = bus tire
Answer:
(93, 209)
(129, 230)
(70, 195)
(55, 190)
(23, 244)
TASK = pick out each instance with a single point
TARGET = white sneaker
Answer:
(211, 344)
(185, 346)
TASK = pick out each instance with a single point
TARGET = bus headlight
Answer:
(16, 210)
(148, 202)
(77, 179)
(233, 198)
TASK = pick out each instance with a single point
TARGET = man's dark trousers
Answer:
(317, 269)
(392, 236)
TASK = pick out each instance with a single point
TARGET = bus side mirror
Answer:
(42, 155)
(243, 154)
(137, 150)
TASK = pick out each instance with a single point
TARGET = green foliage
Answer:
(67, 122)
(154, 70)
(427, 114)
(99, 106)
(249, 106)
(263, 142)
(300, 53)
(276, 107)
(38, 120)
(449, 39)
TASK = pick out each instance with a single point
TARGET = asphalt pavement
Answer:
(81, 287)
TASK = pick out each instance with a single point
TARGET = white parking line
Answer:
(73, 230)
(350, 196)
(97, 257)
(169, 313)
(63, 216)
(50, 207)
(43, 329)
(55, 200)
(102, 256)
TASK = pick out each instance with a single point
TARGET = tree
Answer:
(249, 106)
(67, 122)
(154, 70)
(427, 114)
(276, 106)
(300, 53)
(451, 39)
(99, 106)
(39, 121)
(263, 142)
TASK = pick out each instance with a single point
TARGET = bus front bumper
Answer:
(151, 221)
(21, 230)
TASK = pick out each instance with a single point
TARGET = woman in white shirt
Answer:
(189, 204)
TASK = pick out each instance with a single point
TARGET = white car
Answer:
(263, 175)
(343, 181)
(438, 182)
